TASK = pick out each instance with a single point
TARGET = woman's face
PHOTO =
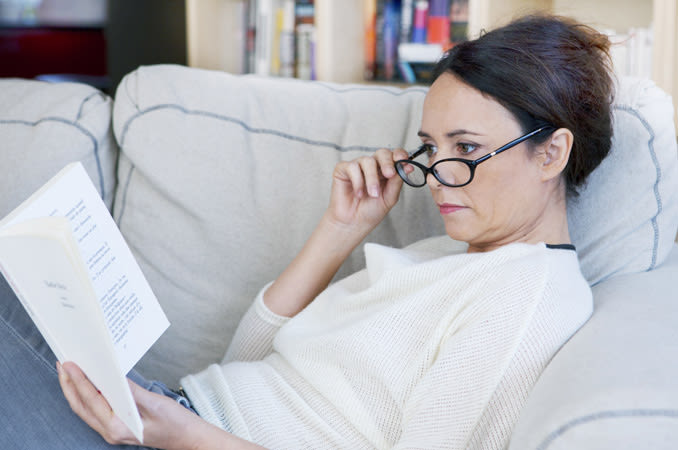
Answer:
(506, 197)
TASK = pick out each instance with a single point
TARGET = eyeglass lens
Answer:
(452, 173)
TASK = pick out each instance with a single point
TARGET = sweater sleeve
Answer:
(253, 339)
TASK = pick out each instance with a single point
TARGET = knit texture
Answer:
(422, 349)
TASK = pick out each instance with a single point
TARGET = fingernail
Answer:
(374, 191)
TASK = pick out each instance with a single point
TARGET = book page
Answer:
(42, 269)
(131, 310)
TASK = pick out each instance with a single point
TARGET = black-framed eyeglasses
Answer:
(451, 172)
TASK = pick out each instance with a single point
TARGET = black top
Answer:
(562, 246)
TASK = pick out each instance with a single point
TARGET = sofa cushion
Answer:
(625, 219)
(45, 126)
(613, 386)
(223, 178)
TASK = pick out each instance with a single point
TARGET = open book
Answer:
(66, 260)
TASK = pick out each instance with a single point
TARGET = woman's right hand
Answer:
(365, 189)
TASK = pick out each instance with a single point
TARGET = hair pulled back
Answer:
(546, 70)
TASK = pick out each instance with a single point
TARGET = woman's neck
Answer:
(548, 225)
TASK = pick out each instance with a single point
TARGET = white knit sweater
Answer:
(422, 349)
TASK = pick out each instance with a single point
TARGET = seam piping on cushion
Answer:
(79, 127)
(396, 93)
(604, 415)
(650, 145)
(82, 105)
(243, 125)
(124, 196)
(238, 122)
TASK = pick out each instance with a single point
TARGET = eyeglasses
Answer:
(451, 172)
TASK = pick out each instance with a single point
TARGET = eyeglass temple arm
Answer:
(513, 143)
(416, 153)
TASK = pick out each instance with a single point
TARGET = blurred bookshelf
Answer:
(398, 41)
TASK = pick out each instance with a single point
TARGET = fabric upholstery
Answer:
(45, 126)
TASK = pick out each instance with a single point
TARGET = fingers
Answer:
(368, 174)
(88, 403)
(78, 391)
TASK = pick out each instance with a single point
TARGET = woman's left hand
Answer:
(167, 424)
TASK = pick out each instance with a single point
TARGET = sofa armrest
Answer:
(613, 385)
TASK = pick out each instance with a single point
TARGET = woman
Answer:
(427, 347)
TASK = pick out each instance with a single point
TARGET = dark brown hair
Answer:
(546, 70)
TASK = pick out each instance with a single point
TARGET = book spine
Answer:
(370, 14)
(420, 22)
(458, 21)
(390, 36)
(406, 19)
(278, 17)
(250, 38)
(304, 19)
(287, 40)
(264, 37)
(438, 22)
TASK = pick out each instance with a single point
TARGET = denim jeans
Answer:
(34, 415)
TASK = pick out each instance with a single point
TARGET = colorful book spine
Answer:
(390, 36)
(438, 22)
(304, 11)
(370, 13)
(406, 17)
(420, 22)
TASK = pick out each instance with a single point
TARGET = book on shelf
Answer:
(281, 38)
(305, 40)
(67, 262)
(425, 29)
(314, 38)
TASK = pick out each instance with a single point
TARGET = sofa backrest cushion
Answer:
(223, 177)
(625, 218)
(45, 126)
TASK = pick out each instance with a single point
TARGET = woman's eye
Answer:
(429, 149)
(466, 148)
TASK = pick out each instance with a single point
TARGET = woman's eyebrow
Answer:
(449, 134)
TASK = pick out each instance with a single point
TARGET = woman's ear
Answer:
(556, 153)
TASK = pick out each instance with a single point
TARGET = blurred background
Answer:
(346, 41)
(92, 41)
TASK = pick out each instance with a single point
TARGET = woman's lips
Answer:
(447, 208)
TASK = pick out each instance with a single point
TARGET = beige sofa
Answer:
(216, 181)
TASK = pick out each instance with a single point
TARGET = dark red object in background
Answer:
(27, 52)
